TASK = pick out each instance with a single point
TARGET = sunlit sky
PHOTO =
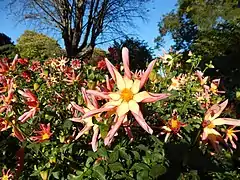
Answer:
(146, 31)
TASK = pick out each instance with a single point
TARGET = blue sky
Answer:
(146, 31)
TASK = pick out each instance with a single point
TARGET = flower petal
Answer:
(136, 86)
(155, 97)
(122, 109)
(133, 106)
(109, 87)
(110, 68)
(141, 96)
(146, 74)
(77, 107)
(95, 138)
(112, 103)
(84, 129)
(102, 95)
(128, 82)
(86, 99)
(125, 57)
(76, 120)
(18, 134)
(216, 110)
(115, 75)
(114, 96)
(166, 137)
(142, 122)
(113, 130)
(96, 111)
(119, 80)
(227, 121)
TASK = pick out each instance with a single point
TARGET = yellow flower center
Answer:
(5, 177)
(174, 123)
(211, 126)
(126, 94)
(45, 136)
(174, 84)
(229, 132)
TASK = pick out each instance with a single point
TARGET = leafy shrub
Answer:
(70, 120)
(33, 45)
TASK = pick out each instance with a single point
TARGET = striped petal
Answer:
(155, 97)
(141, 96)
(119, 80)
(146, 74)
(96, 111)
(84, 130)
(112, 104)
(77, 107)
(110, 69)
(113, 130)
(125, 57)
(142, 122)
(102, 95)
(227, 121)
(122, 109)
(216, 110)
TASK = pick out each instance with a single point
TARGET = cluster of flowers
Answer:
(108, 105)
(212, 111)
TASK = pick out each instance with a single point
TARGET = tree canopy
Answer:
(35, 45)
(81, 22)
(207, 28)
(139, 51)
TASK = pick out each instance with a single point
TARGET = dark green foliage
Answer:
(7, 48)
(139, 52)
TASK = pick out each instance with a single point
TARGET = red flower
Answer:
(22, 61)
(42, 135)
(26, 75)
(76, 64)
(32, 103)
(35, 66)
(102, 65)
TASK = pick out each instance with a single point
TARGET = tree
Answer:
(34, 45)
(4, 39)
(202, 26)
(139, 52)
(7, 47)
(208, 28)
(81, 22)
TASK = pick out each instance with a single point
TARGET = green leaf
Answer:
(103, 130)
(117, 166)
(56, 174)
(67, 124)
(136, 155)
(140, 166)
(143, 175)
(142, 147)
(123, 154)
(99, 172)
(157, 170)
(114, 156)
(102, 152)
(92, 154)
